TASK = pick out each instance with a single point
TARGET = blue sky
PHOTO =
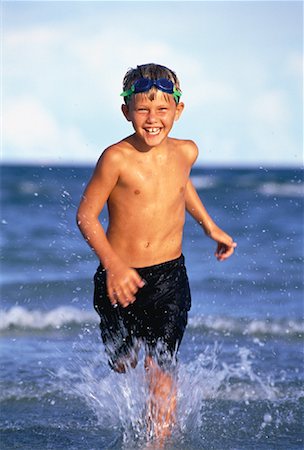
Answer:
(240, 65)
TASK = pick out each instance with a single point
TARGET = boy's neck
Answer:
(142, 147)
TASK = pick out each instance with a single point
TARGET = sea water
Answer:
(240, 378)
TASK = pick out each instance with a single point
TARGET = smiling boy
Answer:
(141, 287)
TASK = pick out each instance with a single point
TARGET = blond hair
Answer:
(151, 71)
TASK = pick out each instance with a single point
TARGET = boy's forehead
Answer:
(154, 95)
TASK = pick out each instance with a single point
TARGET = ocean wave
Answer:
(250, 327)
(20, 318)
(204, 181)
(23, 319)
(282, 189)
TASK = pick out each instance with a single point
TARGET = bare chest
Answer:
(154, 182)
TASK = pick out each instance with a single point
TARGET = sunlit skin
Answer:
(161, 413)
(145, 181)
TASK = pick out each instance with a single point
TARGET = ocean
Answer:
(240, 383)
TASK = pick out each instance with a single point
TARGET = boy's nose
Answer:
(151, 117)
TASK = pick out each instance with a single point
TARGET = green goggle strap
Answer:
(129, 92)
(176, 93)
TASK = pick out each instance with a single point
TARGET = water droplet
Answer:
(267, 418)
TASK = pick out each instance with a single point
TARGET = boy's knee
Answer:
(119, 368)
(161, 360)
(153, 366)
(122, 366)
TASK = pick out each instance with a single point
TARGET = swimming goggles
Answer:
(145, 84)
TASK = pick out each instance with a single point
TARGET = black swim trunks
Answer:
(158, 317)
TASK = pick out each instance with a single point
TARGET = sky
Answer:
(240, 65)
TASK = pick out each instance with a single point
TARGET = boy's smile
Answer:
(153, 131)
(153, 116)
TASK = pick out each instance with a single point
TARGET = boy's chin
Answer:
(152, 140)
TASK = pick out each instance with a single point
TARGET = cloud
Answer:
(59, 62)
(271, 133)
(295, 64)
(223, 148)
(271, 108)
(62, 77)
(33, 133)
(38, 37)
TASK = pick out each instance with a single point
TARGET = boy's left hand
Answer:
(225, 244)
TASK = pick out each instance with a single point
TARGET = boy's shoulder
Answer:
(114, 153)
(118, 148)
(187, 147)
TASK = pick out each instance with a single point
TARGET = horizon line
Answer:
(197, 165)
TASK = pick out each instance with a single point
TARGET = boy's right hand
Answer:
(122, 284)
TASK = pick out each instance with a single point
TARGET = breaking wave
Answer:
(20, 318)
(282, 189)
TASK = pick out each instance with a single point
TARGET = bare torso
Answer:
(144, 179)
(147, 204)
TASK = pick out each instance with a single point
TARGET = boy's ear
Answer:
(125, 111)
(179, 109)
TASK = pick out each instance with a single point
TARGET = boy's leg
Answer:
(162, 400)
(165, 301)
(123, 363)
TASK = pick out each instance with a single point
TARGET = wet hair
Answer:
(151, 71)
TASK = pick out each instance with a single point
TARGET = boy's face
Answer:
(152, 118)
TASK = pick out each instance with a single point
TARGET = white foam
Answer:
(19, 317)
(282, 190)
(204, 181)
(253, 327)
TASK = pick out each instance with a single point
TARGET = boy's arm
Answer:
(122, 281)
(225, 244)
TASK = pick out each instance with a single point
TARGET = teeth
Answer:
(153, 130)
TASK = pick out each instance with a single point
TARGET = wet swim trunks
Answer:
(158, 317)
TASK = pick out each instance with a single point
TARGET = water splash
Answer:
(119, 401)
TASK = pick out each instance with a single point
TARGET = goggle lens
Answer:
(145, 84)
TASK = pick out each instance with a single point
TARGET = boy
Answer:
(141, 287)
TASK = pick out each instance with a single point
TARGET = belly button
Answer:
(137, 192)
(147, 244)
